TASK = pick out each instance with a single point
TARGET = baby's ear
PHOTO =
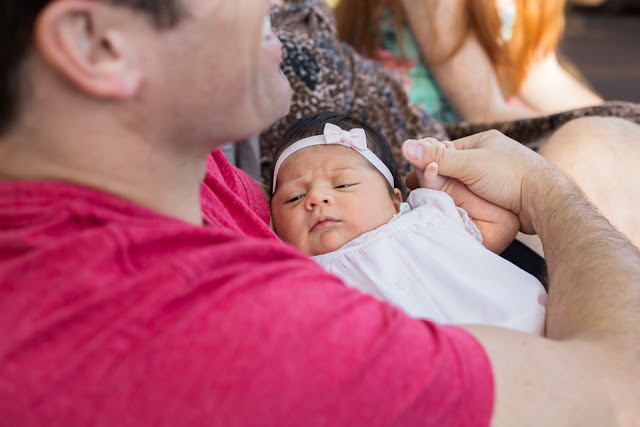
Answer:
(397, 199)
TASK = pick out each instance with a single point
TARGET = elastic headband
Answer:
(355, 138)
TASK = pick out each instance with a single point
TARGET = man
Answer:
(131, 295)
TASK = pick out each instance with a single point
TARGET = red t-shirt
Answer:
(114, 315)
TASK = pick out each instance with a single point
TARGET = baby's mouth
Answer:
(323, 222)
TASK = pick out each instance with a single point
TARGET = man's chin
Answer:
(274, 102)
(284, 105)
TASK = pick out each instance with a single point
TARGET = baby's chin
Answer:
(327, 243)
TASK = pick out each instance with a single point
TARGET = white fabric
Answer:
(429, 261)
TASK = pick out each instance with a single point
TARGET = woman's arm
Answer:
(458, 61)
(550, 88)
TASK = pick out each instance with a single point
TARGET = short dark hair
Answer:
(17, 21)
(313, 124)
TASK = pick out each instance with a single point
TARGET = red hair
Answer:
(538, 27)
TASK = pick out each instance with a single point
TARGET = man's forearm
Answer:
(588, 373)
(594, 271)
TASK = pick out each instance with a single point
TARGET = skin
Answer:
(144, 96)
(327, 196)
(599, 154)
(294, 219)
(550, 88)
(612, 181)
(497, 225)
(604, 167)
(586, 371)
(476, 96)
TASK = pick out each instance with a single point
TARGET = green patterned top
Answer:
(416, 77)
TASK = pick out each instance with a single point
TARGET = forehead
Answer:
(322, 157)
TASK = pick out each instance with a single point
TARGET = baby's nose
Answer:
(315, 198)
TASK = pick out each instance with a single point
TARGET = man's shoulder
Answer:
(92, 237)
(232, 198)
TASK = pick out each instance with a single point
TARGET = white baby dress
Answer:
(429, 261)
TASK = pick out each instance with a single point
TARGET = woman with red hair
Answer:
(470, 60)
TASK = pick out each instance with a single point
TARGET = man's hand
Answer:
(491, 165)
(498, 226)
(590, 362)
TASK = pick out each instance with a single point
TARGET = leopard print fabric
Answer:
(326, 74)
(534, 130)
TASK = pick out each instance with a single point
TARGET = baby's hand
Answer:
(429, 178)
(497, 225)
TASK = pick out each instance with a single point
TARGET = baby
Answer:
(337, 196)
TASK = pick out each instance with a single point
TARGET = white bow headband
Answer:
(355, 138)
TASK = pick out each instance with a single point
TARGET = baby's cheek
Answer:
(280, 226)
(294, 236)
(288, 235)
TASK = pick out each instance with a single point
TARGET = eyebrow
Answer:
(294, 181)
(345, 168)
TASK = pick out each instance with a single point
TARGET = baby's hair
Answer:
(313, 124)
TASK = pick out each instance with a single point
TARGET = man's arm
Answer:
(588, 369)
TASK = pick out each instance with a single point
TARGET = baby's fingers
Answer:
(429, 178)
(451, 162)
(436, 143)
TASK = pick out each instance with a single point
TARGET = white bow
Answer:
(355, 138)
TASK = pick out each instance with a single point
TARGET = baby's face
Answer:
(327, 196)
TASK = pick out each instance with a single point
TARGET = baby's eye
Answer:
(295, 198)
(345, 186)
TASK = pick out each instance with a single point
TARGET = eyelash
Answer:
(295, 199)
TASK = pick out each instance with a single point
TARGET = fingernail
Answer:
(413, 150)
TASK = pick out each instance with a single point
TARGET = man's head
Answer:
(198, 69)
(18, 23)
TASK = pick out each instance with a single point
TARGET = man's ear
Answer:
(87, 52)
(397, 200)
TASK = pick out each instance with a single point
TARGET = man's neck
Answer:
(116, 162)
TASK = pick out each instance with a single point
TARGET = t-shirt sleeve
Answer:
(231, 199)
(270, 338)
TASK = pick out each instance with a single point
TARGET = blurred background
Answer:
(601, 46)
(602, 41)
